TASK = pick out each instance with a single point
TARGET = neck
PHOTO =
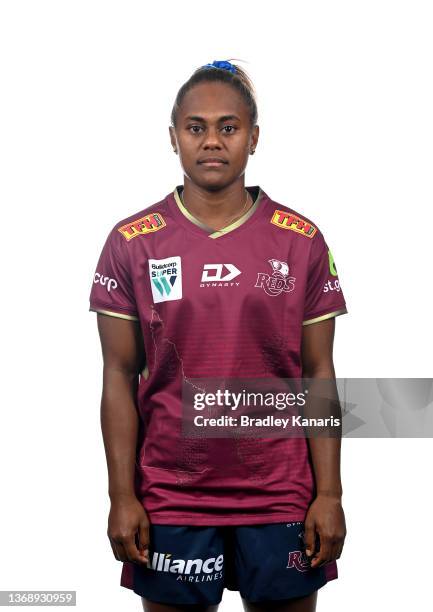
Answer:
(213, 207)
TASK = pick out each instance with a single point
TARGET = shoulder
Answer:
(285, 219)
(146, 221)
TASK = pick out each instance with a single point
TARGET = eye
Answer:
(229, 127)
(195, 129)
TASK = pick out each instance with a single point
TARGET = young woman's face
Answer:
(213, 123)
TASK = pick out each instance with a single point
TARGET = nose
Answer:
(212, 140)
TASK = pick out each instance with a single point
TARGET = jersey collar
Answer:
(211, 233)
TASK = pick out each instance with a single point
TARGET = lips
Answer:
(212, 161)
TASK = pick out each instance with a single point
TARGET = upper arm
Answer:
(324, 300)
(122, 344)
(317, 347)
(112, 297)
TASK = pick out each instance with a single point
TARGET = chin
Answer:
(212, 182)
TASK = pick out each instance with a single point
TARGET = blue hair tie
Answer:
(224, 65)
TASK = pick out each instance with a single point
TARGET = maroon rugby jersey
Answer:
(227, 303)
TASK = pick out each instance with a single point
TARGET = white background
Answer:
(345, 110)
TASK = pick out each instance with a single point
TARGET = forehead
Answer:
(210, 100)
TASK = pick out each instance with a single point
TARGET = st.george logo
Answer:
(332, 285)
(165, 279)
(279, 281)
(332, 266)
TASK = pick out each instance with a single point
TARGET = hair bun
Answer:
(222, 64)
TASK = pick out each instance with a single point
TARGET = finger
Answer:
(131, 550)
(309, 537)
(339, 550)
(142, 550)
(116, 542)
(113, 546)
(115, 553)
(143, 538)
(334, 550)
(120, 551)
(338, 546)
(323, 555)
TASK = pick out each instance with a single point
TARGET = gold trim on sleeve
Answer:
(329, 315)
(114, 314)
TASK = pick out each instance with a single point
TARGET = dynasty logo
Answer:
(289, 221)
(188, 570)
(279, 281)
(150, 223)
(219, 275)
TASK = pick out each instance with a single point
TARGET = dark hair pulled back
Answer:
(239, 80)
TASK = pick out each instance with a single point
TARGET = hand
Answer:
(127, 517)
(326, 517)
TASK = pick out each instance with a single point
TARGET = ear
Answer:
(173, 138)
(254, 137)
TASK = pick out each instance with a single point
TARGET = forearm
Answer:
(325, 454)
(325, 443)
(119, 423)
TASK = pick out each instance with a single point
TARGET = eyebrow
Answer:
(223, 118)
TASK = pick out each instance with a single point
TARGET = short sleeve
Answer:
(112, 289)
(324, 296)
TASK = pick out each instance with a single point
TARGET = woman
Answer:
(219, 281)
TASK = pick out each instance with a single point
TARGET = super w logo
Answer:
(166, 279)
(164, 283)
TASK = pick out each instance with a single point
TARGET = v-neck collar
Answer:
(201, 227)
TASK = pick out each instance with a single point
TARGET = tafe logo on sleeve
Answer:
(289, 221)
(149, 223)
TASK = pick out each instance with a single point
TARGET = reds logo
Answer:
(298, 560)
(279, 281)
